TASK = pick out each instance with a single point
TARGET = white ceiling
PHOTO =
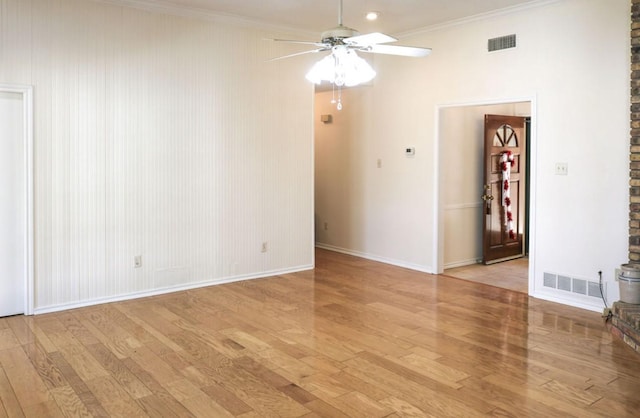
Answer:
(397, 16)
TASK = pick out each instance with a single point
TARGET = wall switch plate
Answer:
(265, 247)
(137, 261)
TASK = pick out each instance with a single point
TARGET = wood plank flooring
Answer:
(512, 274)
(353, 338)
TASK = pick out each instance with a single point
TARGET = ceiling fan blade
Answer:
(298, 53)
(373, 38)
(292, 41)
(405, 51)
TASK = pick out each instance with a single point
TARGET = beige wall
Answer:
(158, 136)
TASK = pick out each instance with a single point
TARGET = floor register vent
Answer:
(502, 42)
(568, 284)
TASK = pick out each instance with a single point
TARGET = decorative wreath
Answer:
(507, 160)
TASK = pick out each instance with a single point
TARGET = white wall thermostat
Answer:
(409, 151)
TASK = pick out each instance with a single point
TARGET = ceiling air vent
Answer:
(503, 42)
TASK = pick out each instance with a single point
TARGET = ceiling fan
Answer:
(343, 67)
(343, 36)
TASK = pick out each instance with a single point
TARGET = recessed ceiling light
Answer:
(373, 15)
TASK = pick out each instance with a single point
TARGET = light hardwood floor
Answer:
(351, 338)
(513, 274)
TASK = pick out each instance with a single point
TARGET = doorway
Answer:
(460, 134)
(16, 200)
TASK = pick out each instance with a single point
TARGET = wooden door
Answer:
(504, 188)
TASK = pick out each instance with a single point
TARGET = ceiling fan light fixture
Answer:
(322, 70)
(343, 67)
(353, 69)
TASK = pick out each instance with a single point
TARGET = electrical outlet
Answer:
(265, 247)
(562, 169)
(137, 261)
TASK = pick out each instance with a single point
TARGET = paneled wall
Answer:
(162, 137)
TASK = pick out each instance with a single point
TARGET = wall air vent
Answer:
(503, 42)
(569, 284)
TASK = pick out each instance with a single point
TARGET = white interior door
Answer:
(13, 205)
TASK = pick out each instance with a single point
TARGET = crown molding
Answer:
(169, 8)
(475, 18)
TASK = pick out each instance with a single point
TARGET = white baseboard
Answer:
(165, 290)
(597, 307)
(393, 262)
(462, 263)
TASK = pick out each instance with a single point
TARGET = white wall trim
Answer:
(169, 8)
(475, 18)
(27, 111)
(438, 222)
(372, 257)
(462, 263)
(462, 206)
(570, 301)
(170, 289)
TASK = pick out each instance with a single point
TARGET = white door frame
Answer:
(27, 137)
(438, 220)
